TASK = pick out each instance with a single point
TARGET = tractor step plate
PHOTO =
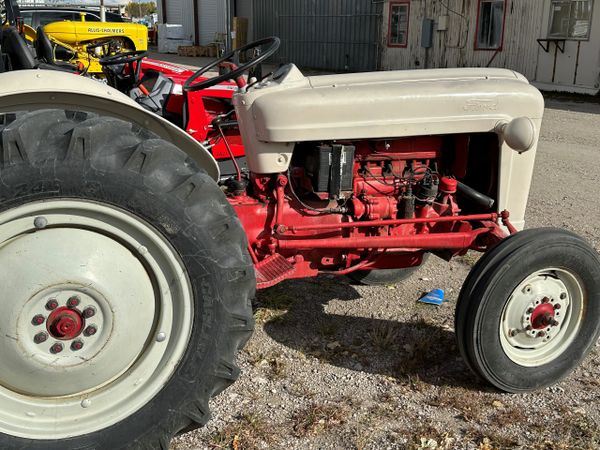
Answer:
(273, 270)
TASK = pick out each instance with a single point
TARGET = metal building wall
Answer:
(212, 17)
(455, 47)
(179, 12)
(339, 35)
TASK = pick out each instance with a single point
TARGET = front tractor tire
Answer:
(529, 311)
(126, 286)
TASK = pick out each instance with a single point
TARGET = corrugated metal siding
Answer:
(213, 19)
(179, 12)
(175, 11)
(455, 47)
(325, 34)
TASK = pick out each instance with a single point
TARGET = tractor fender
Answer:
(49, 89)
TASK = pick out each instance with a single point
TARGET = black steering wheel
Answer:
(118, 77)
(272, 42)
(123, 58)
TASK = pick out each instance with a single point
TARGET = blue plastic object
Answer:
(435, 297)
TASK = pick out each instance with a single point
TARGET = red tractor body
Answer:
(394, 199)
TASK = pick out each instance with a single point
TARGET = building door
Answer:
(336, 35)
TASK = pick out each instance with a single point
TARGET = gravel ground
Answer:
(333, 365)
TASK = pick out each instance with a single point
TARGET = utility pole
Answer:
(102, 11)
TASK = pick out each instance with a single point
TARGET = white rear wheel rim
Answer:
(126, 276)
(542, 317)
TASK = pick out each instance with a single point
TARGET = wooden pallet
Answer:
(197, 50)
(191, 50)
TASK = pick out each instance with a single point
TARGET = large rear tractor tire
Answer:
(529, 311)
(126, 286)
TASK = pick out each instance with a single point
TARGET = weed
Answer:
(318, 418)
(470, 259)
(467, 403)
(272, 360)
(384, 335)
(250, 431)
(272, 305)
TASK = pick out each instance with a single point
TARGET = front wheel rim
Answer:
(542, 317)
(97, 310)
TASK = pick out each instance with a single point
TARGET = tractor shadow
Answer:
(408, 351)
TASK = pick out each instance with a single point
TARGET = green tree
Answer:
(135, 9)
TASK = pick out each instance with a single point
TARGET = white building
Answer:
(554, 43)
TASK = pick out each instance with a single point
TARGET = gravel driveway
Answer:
(333, 365)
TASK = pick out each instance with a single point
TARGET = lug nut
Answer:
(76, 345)
(541, 334)
(51, 305)
(91, 330)
(38, 320)
(56, 348)
(89, 312)
(73, 302)
(545, 300)
(557, 306)
(563, 295)
(530, 311)
(554, 323)
(40, 338)
(513, 333)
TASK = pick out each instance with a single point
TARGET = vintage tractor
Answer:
(129, 263)
(75, 45)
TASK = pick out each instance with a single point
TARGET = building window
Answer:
(398, 27)
(570, 19)
(490, 25)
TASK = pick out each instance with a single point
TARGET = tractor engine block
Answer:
(377, 180)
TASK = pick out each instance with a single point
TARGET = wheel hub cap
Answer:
(541, 317)
(65, 324)
(85, 298)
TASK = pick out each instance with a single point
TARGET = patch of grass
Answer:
(300, 390)
(272, 305)
(574, 431)
(490, 440)
(318, 418)
(418, 356)
(271, 360)
(328, 328)
(426, 436)
(467, 403)
(384, 335)
(509, 416)
(250, 431)
(470, 259)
